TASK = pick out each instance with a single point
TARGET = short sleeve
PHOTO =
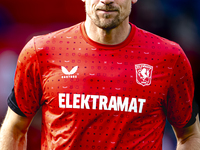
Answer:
(27, 87)
(180, 93)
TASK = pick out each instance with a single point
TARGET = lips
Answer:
(107, 8)
(107, 11)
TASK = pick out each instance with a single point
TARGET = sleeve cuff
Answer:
(195, 111)
(13, 104)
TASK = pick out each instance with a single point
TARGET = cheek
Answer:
(126, 9)
(89, 7)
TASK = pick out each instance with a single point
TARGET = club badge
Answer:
(143, 74)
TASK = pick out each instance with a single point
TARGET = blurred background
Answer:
(20, 20)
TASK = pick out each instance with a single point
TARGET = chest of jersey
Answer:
(127, 80)
(94, 96)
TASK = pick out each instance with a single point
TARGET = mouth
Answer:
(106, 10)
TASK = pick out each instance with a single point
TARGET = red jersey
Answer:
(104, 97)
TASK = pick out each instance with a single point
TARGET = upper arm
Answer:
(16, 123)
(183, 134)
(13, 133)
(27, 81)
(179, 101)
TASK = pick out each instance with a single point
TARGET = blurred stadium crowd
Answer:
(20, 20)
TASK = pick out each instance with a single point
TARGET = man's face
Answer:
(108, 14)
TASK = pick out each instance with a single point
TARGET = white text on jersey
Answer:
(101, 102)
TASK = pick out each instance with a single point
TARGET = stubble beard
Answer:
(107, 22)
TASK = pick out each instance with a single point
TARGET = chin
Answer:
(108, 25)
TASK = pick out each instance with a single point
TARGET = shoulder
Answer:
(56, 37)
(43, 43)
(156, 42)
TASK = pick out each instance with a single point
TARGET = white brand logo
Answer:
(143, 74)
(69, 74)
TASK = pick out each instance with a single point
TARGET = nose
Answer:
(107, 2)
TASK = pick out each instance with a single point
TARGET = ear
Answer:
(134, 1)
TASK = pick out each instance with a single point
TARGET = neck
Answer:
(109, 37)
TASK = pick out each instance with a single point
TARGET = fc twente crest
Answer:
(143, 74)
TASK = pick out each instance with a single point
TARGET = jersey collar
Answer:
(104, 46)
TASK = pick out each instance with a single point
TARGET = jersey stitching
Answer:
(171, 78)
(37, 59)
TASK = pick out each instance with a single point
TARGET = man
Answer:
(102, 84)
